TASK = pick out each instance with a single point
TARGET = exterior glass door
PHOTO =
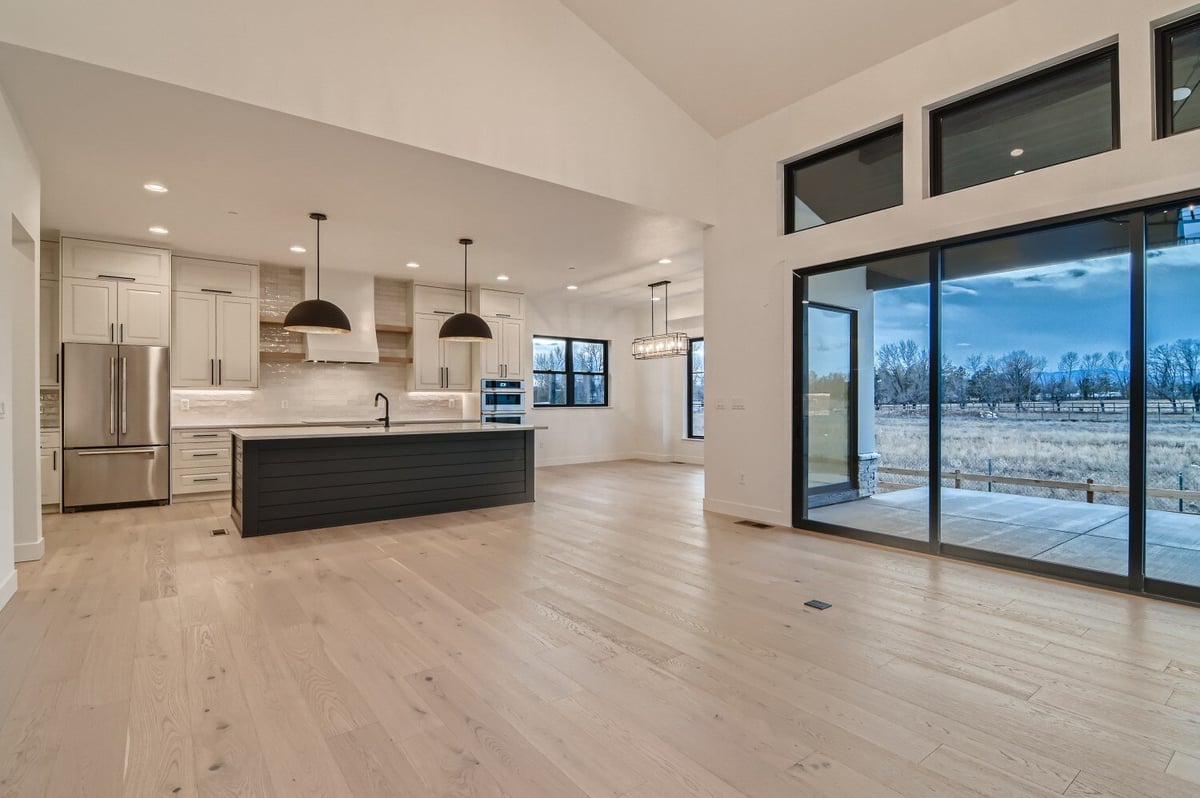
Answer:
(830, 355)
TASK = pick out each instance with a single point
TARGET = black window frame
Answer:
(570, 373)
(691, 382)
(790, 168)
(1164, 120)
(1110, 53)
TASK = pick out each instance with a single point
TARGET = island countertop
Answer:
(371, 430)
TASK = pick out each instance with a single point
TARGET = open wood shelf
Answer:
(276, 321)
(403, 360)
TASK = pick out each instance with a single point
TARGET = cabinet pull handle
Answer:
(207, 454)
(54, 460)
(444, 312)
(112, 333)
(205, 434)
(122, 328)
(220, 378)
(117, 277)
(57, 378)
(205, 479)
(504, 315)
(215, 291)
(212, 371)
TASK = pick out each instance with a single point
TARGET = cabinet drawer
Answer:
(200, 480)
(107, 260)
(201, 275)
(193, 455)
(200, 435)
(501, 304)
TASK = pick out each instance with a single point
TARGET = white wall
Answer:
(20, 202)
(522, 85)
(748, 262)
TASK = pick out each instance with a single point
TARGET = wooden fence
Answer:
(1090, 487)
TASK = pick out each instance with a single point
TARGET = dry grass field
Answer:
(1052, 449)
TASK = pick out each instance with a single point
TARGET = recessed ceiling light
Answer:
(412, 264)
(502, 277)
(156, 188)
(1019, 172)
(656, 299)
(1180, 94)
(572, 288)
(664, 260)
(159, 231)
(1016, 152)
(297, 248)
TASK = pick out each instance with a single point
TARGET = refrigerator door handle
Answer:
(112, 396)
(124, 395)
(105, 452)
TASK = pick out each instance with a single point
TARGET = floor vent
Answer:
(753, 524)
(817, 604)
(216, 532)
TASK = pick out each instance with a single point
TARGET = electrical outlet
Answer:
(283, 404)
(738, 403)
(185, 404)
(450, 402)
(741, 479)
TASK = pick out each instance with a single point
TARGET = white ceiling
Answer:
(729, 63)
(100, 135)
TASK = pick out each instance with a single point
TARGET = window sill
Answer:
(572, 407)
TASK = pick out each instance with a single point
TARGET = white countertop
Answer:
(178, 423)
(317, 431)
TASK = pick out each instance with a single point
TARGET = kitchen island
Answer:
(291, 478)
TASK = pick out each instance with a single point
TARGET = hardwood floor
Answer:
(610, 640)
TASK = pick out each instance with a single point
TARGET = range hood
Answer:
(355, 294)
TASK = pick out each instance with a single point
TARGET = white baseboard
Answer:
(8, 588)
(766, 515)
(28, 552)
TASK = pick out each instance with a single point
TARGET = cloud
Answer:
(953, 288)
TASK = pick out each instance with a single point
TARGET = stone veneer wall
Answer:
(317, 391)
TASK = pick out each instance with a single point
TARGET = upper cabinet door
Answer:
(89, 311)
(501, 304)
(427, 373)
(514, 345)
(48, 332)
(143, 314)
(456, 356)
(237, 342)
(193, 354)
(442, 301)
(103, 259)
(491, 354)
(201, 275)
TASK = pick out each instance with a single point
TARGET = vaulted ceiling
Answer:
(730, 63)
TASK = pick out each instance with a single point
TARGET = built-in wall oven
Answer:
(502, 401)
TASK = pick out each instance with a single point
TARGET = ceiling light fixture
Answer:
(465, 326)
(668, 344)
(572, 288)
(1181, 93)
(1017, 152)
(158, 230)
(297, 249)
(159, 188)
(502, 278)
(664, 260)
(317, 316)
(412, 264)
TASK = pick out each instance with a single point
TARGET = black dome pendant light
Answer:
(317, 315)
(465, 326)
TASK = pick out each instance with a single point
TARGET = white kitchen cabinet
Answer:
(504, 356)
(194, 344)
(106, 260)
(48, 268)
(89, 310)
(237, 342)
(438, 365)
(143, 314)
(208, 276)
(490, 355)
(501, 304)
(434, 299)
(216, 341)
(48, 332)
(51, 462)
(201, 463)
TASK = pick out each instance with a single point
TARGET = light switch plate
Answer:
(185, 404)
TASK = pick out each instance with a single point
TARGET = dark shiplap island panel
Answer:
(289, 484)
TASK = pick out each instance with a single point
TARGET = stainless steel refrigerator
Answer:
(116, 424)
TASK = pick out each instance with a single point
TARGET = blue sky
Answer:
(1082, 306)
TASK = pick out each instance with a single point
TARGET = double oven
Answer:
(502, 401)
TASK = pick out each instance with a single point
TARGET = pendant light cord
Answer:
(318, 258)
(666, 308)
(651, 310)
(465, 277)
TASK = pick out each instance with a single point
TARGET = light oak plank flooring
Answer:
(609, 641)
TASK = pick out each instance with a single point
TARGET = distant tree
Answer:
(902, 374)
(1089, 370)
(1187, 355)
(987, 383)
(1118, 367)
(1067, 364)
(955, 384)
(1162, 375)
(1018, 371)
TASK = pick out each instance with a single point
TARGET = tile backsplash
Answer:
(320, 391)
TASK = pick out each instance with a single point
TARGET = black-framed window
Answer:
(695, 389)
(1178, 76)
(852, 179)
(1063, 113)
(569, 372)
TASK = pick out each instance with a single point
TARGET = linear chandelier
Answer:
(666, 344)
